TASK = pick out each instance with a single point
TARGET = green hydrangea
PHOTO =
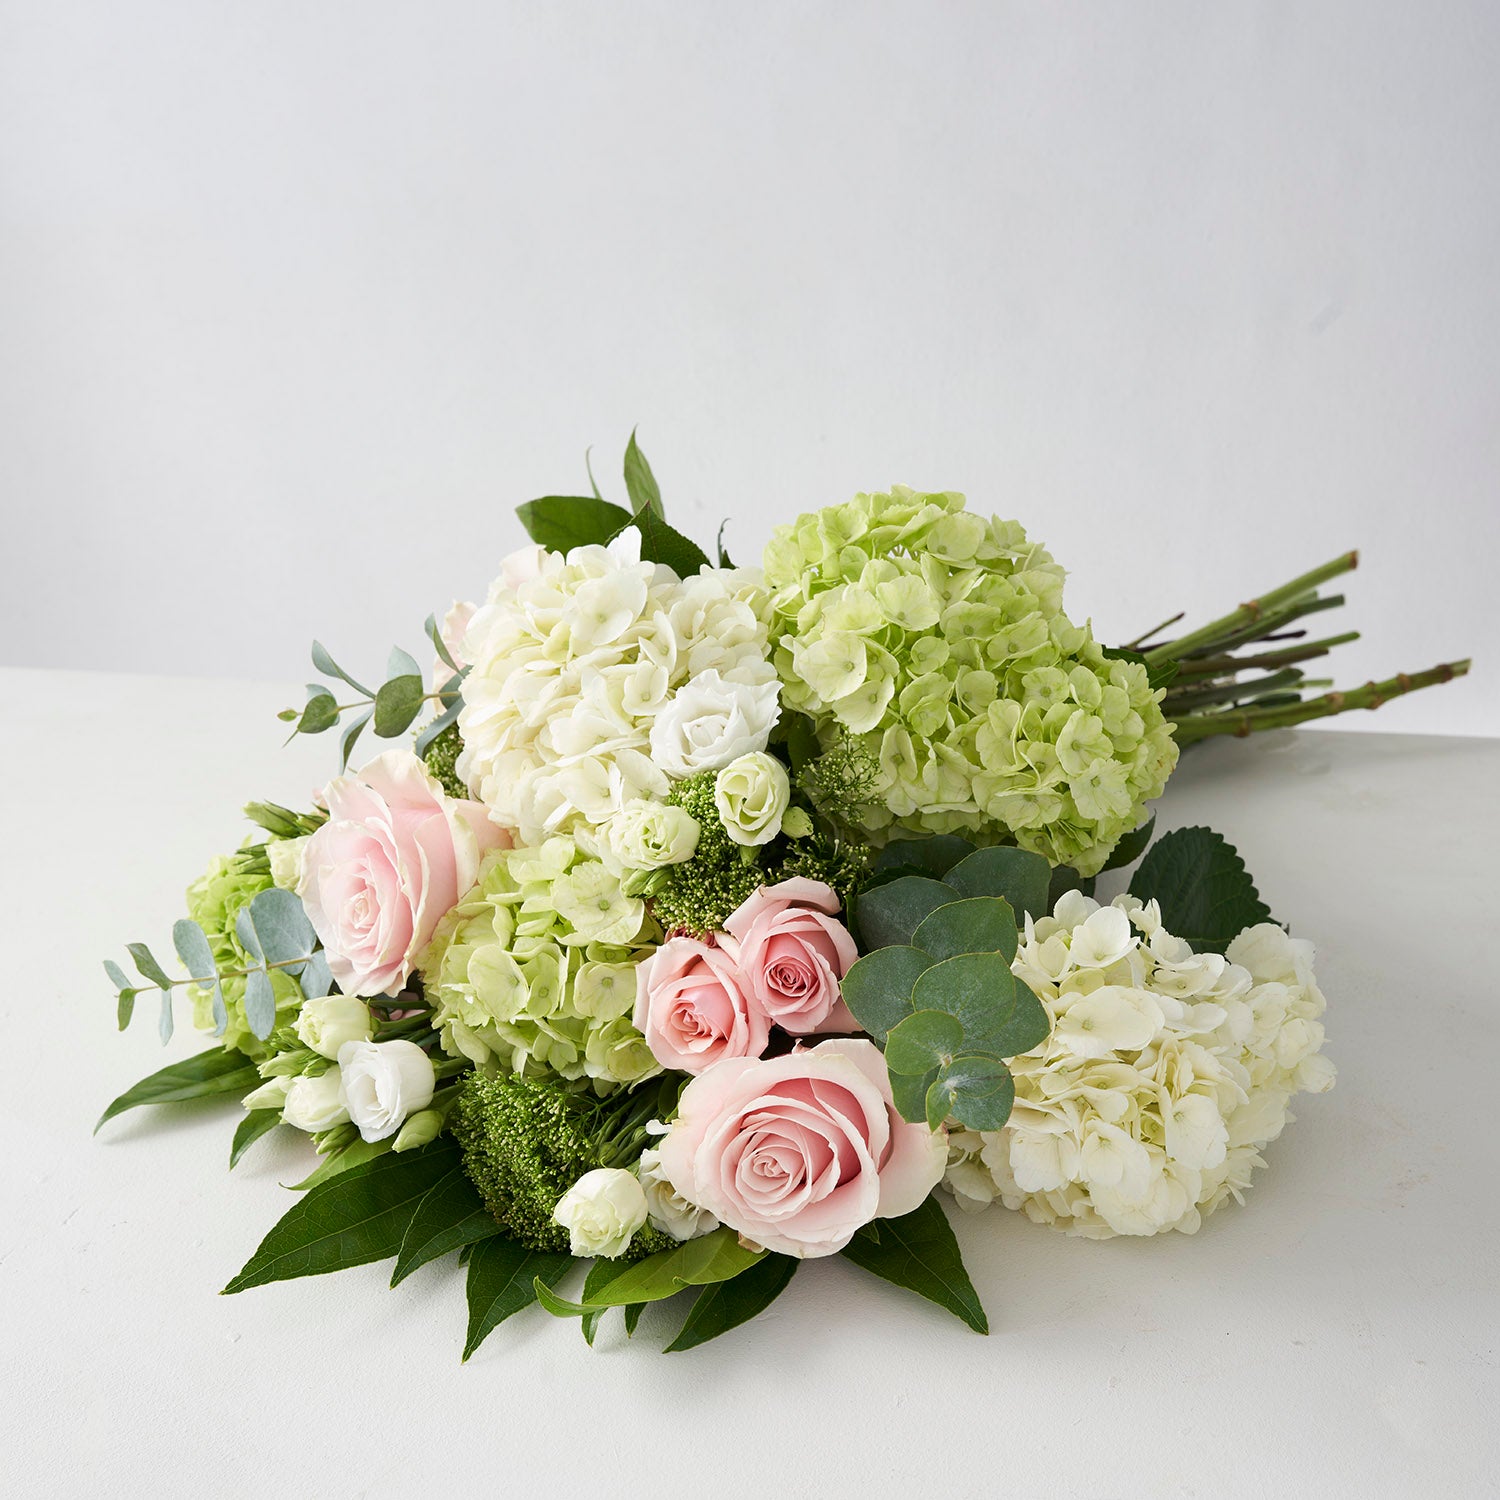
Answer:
(535, 968)
(213, 902)
(938, 639)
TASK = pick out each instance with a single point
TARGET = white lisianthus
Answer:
(314, 1104)
(602, 1212)
(286, 857)
(383, 1083)
(1165, 1075)
(752, 794)
(712, 721)
(668, 1210)
(324, 1025)
(650, 836)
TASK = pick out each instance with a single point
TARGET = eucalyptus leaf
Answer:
(444, 720)
(125, 1007)
(164, 1023)
(978, 1091)
(977, 924)
(260, 1004)
(877, 989)
(918, 1251)
(640, 482)
(206, 1074)
(351, 734)
(435, 635)
(356, 1217)
(257, 1123)
(1199, 881)
(890, 914)
(275, 927)
(909, 1093)
(925, 1040)
(146, 962)
(1018, 875)
(321, 711)
(978, 989)
(330, 668)
(729, 1303)
(561, 522)
(397, 704)
(315, 978)
(933, 856)
(451, 1214)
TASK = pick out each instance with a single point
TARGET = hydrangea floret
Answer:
(938, 640)
(1166, 1074)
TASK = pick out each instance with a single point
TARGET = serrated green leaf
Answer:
(977, 924)
(978, 1091)
(729, 1303)
(450, 1215)
(502, 1281)
(1018, 875)
(1199, 881)
(925, 1040)
(330, 668)
(661, 544)
(919, 1252)
(356, 1217)
(890, 914)
(146, 962)
(208, 1073)
(561, 522)
(877, 988)
(257, 1123)
(640, 482)
(1131, 846)
(397, 704)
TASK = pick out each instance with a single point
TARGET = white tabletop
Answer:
(1335, 1337)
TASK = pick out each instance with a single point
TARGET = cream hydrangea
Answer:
(576, 659)
(939, 641)
(1166, 1073)
(534, 969)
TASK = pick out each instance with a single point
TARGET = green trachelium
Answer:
(837, 862)
(526, 1141)
(841, 781)
(696, 895)
(442, 759)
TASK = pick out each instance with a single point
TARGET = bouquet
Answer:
(704, 921)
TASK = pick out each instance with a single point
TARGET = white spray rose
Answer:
(602, 1212)
(649, 836)
(751, 794)
(668, 1210)
(286, 857)
(315, 1103)
(711, 721)
(325, 1025)
(383, 1083)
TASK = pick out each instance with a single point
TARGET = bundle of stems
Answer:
(1246, 671)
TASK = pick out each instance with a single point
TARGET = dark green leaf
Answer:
(1131, 846)
(977, 1091)
(146, 962)
(257, 1123)
(925, 1040)
(978, 924)
(909, 1092)
(919, 1252)
(724, 559)
(730, 1303)
(1199, 881)
(213, 1072)
(561, 522)
(320, 712)
(502, 1281)
(933, 856)
(1065, 879)
(1018, 875)
(355, 1154)
(125, 1007)
(877, 989)
(640, 482)
(891, 914)
(588, 463)
(451, 1214)
(397, 704)
(330, 668)
(977, 988)
(661, 544)
(356, 1217)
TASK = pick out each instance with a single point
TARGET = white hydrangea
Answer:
(1165, 1074)
(575, 659)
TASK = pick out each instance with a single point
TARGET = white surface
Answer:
(1337, 1337)
(297, 300)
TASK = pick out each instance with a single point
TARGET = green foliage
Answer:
(1132, 846)
(207, 1075)
(705, 1261)
(441, 758)
(935, 985)
(257, 1123)
(561, 522)
(840, 781)
(640, 482)
(919, 1252)
(503, 1278)
(1206, 895)
(450, 1215)
(727, 1304)
(358, 1216)
(836, 862)
(698, 894)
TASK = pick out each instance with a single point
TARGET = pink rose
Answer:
(797, 1152)
(391, 861)
(451, 633)
(691, 1008)
(793, 954)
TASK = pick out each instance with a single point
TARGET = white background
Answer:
(297, 300)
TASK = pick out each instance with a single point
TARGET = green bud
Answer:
(426, 1125)
(336, 1139)
(796, 824)
(290, 1064)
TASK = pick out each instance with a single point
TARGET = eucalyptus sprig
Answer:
(393, 707)
(273, 928)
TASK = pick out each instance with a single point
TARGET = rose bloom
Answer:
(798, 1152)
(691, 1008)
(792, 954)
(393, 858)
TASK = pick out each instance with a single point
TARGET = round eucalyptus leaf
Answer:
(890, 914)
(978, 989)
(925, 1040)
(878, 988)
(980, 924)
(979, 1091)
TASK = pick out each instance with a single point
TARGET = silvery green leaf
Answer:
(351, 734)
(330, 668)
(244, 930)
(435, 635)
(146, 962)
(164, 1026)
(260, 1003)
(444, 720)
(117, 975)
(398, 702)
(399, 664)
(283, 933)
(192, 948)
(315, 979)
